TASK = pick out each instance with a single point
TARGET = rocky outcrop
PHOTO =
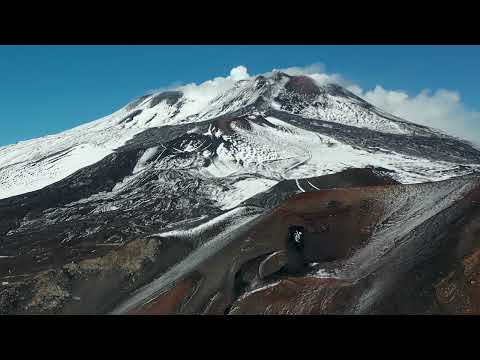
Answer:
(90, 286)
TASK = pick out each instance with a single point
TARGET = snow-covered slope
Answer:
(273, 149)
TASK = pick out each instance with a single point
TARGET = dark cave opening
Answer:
(314, 246)
(295, 245)
(296, 236)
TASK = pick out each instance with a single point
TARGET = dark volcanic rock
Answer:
(347, 178)
(91, 286)
(130, 116)
(137, 102)
(170, 97)
(303, 85)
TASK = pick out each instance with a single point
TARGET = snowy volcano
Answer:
(276, 127)
(171, 162)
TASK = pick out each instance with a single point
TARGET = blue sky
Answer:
(47, 89)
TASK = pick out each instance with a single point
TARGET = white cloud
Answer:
(203, 93)
(442, 109)
(239, 73)
(315, 68)
(209, 88)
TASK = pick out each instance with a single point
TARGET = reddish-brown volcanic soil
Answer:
(303, 85)
(335, 221)
(296, 295)
(372, 238)
(456, 293)
(169, 302)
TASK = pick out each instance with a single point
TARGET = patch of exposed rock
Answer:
(88, 286)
